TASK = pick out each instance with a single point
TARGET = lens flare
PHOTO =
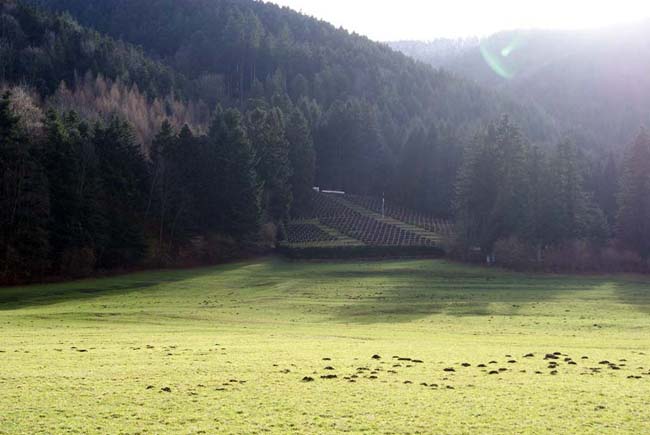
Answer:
(506, 51)
(499, 56)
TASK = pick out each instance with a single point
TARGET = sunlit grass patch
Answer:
(285, 347)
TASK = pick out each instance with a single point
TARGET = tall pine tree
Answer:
(231, 177)
(24, 203)
(303, 159)
(125, 185)
(634, 199)
(76, 224)
(490, 196)
(266, 131)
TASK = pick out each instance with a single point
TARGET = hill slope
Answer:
(41, 50)
(357, 94)
(595, 84)
(71, 67)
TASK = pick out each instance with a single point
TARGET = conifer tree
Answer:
(266, 131)
(606, 186)
(538, 207)
(182, 162)
(90, 224)
(448, 158)
(303, 159)
(416, 177)
(125, 186)
(569, 197)
(490, 197)
(232, 177)
(350, 148)
(161, 182)
(510, 148)
(633, 226)
(575, 214)
(76, 225)
(24, 203)
(476, 192)
(61, 166)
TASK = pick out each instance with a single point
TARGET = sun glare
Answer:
(415, 19)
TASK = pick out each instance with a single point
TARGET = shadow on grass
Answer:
(397, 296)
(14, 298)
(355, 292)
(634, 292)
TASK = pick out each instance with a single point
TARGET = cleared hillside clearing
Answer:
(339, 220)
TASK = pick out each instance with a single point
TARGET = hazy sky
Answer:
(386, 20)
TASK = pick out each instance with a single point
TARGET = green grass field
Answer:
(225, 350)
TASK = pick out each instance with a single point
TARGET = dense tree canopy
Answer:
(634, 198)
(508, 188)
(24, 202)
(369, 97)
(206, 140)
(43, 50)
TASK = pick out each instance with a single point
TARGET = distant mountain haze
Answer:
(594, 84)
(392, 20)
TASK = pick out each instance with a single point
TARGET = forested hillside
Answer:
(42, 50)
(362, 99)
(66, 66)
(438, 52)
(162, 133)
(594, 83)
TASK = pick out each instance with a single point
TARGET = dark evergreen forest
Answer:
(160, 132)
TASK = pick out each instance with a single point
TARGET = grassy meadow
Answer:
(271, 346)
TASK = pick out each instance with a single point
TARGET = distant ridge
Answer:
(593, 83)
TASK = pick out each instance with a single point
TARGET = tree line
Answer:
(78, 196)
(81, 196)
(518, 202)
